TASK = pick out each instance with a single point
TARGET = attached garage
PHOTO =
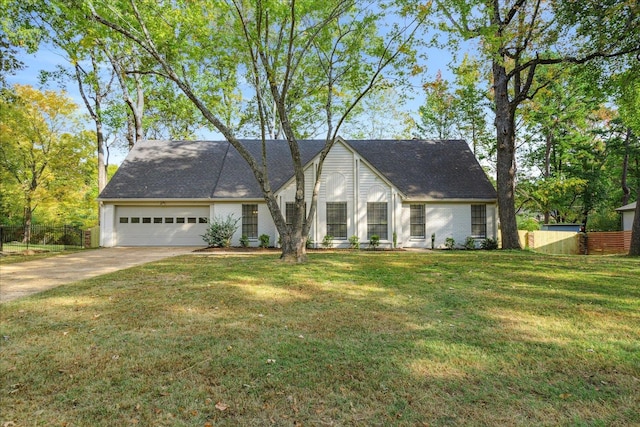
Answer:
(160, 226)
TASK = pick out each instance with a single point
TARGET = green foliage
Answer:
(220, 231)
(46, 159)
(264, 240)
(608, 220)
(244, 241)
(395, 240)
(528, 223)
(470, 243)
(374, 241)
(449, 243)
(354, 242)
(327, 241)
(489, 244)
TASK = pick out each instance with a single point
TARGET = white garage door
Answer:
(161, 226)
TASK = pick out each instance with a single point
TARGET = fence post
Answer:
(1, 237)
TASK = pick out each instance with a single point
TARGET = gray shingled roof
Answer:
(214, 169)
(427, 169)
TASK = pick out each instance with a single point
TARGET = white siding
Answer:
(265, 222)
(107, 223)
(448, 220)
(627, 220)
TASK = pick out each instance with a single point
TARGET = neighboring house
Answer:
(628, 213)
(167, 192)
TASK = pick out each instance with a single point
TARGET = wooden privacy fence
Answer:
(572, 243)
(552, 242)
(608, 242)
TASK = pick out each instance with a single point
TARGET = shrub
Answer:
(264, 240)
(395, 240)
(374, 241)
(354, 242)
(244, 241)
(220, 231)
(309, 243)
(449, 243)
(470, 243)
(327, 242)
(489, 244)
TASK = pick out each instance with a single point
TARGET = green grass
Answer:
(349, 339)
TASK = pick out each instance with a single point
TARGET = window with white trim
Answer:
(479, 221)
(417, 222)
(377, 222)
(337, 220)
(250, 221)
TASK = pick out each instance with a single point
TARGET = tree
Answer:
(378, 117)
(472, 103)
(438, 114)
(296, 58)
(629, 103)
(520, 38)
(43, 156)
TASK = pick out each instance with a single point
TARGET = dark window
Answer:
(337, 220)
(417, 221)
(146, 220)
(179, 220)
(289, 211)
(124, 220)
(135, 220)
(479, 221)
(250, 221)
(157, 220)
(168, 220)
(203, 220)
(377, 220)
(191, 220)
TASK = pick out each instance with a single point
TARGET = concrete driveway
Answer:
(26, 278)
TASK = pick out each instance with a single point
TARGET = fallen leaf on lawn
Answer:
(565, 395)
(221, 406)
(270, 361)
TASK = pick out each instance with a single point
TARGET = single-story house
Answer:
(628, 213)
(167, 192)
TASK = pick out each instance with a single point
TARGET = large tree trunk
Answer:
(102, 165)
(506, 169)
(626, 192)
(634, 250)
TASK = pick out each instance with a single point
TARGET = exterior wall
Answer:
(627, 220)
(444, 220)
(107, 223)
(265, 223)
(346, 178)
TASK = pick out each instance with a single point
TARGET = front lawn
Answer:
(348, 339)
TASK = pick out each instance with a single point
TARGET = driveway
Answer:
(26, 278)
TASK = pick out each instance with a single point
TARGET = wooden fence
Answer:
(608, 242)
(552, 242)
(572, 243)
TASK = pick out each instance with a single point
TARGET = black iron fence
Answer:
(40, 237)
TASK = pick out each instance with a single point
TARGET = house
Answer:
(628, 213)
(167, 192)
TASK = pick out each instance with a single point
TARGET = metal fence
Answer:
(39, 237)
